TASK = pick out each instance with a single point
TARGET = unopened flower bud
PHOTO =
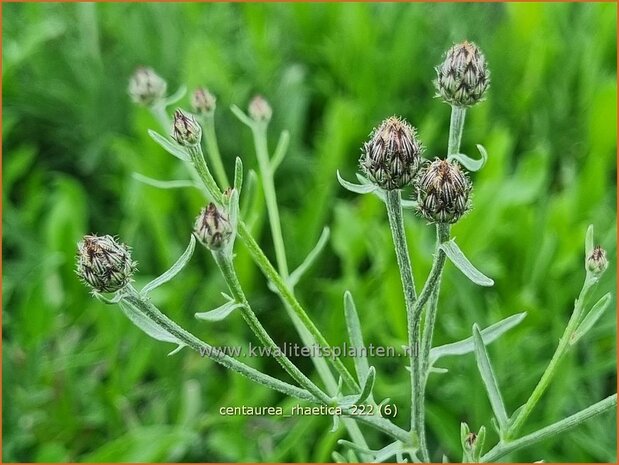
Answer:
(146, 87)
(597, 261)
(186, 130)
(213, 228)
(203, 102)
(104, 264)
(463, 77)
(392, 156)
(259, 109)
(443, 192)
(471, 439)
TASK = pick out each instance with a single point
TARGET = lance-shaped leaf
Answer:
(489, 379)
(489, 334)
(592, 317)
(238, 175)
(242, 116)
(220, 312)
(280, 150)
(175, 184)
(169, 146)
(368, 386)
(249, 198)
(356, 188)
(454, 253)
(174, 269)
(589, 243)
(470, 163)
(296, 275)
(353, 325)
(148, 326)
(176, 96)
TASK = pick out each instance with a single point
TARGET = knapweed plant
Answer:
(392, 166)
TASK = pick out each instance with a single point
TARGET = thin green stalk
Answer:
(227, 269)
(456, 126)
(504, 448)
(560, 352)
(212, 148)
(197, 159)
(262, 153)
(159, 113)
(162, 321)
(413, 314)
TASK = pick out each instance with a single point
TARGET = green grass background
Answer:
(80, 383)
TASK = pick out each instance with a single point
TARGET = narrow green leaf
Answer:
(589, 243)
(219, 313)
(176, 96)
(368, 386)
(591, 318)
(454, 253)
(469, 163)
(355, 335)
(489, 334)
(174, 269)
(145, 324)
(248, 193)
(242, 116)
(174, 184)
(356, 188)
(489, 379)
(296, 275)
(280, 150)
(238, 174)
(171, 147)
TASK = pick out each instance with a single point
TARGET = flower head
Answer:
(213, 228)
(203, 102)
(463, 77)
(597, 261)
(186, 130)
(104, 264)
(443, 192)
(259, 109)
(146, 87)
(392, 156)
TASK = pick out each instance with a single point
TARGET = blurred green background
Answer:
(81, 383)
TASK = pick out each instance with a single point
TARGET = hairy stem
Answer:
(224, 262)
(568, 423)
(560, 352)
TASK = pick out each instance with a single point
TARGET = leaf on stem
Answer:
(248, 194)
(148, 326)
(296, 275)
(242, 116)
(469, 163)
(368, 386)
(171, 147)
(456, 256)
(238, 175)
(174, 184)
(591, 318)
(220, 312)
(489, 334)
(174, 269)
(356, 188)
(280, 150)
(489, 379)
(355, 335)
(176, 96)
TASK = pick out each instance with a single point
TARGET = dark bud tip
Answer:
(597, 263)
(203, 102)
(186, 130)
(212, 228)
(146, 87)
(104, 264)
(259, 109)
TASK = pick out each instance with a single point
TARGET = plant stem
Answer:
(159, 113)
(212, 148)
(262, 153)
(224, 262)
(570, 422)
(197, 159)
(162, 321)
(456, 125)
(562, 349)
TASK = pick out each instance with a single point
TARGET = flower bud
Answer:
(213, 228)
(597, 261)
(442, 192)
(392, 156)
(146, 87)
(203, 102)
(186, 130)
(104, 264)
(259, 109)
(463, 77)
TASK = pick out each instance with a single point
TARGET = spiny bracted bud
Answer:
(203, 102)
(597, 261)
(463, 77)
(186, 130)
(259, 109)
(146, 87)
(392, 156)
(213, 228)
(104, 264)
(443, 192)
